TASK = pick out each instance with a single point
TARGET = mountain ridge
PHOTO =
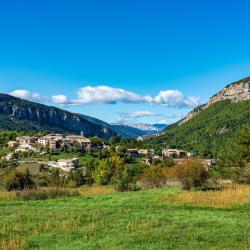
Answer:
(235, 92)
(21, 114)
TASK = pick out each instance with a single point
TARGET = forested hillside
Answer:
(209, 130)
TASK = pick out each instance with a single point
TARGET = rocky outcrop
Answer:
(237, 91)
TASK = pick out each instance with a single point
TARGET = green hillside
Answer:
(208, 131)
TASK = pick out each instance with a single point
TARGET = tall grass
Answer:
(96, 190)
(225, 198)
(52, 192)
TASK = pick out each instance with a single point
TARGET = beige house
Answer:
(26, 140)
(146, 152)
(12, 144)
(168, 152)
(85, 142)
(52, 140)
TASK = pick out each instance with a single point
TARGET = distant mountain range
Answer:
(143, 127)
(16, 113)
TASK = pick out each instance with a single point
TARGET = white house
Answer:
(68, 164)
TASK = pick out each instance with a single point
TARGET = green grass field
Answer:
(134, 220)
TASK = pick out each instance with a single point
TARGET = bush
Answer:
(43, 194)
(153, 177)
(243, 175)
(168, 162)
(18, 180)
(190, 172)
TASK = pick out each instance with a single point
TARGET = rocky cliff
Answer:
(20, 114)
(235, 92)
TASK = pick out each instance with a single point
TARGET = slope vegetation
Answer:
(208, 131)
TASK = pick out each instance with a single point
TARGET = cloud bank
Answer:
(108, 95)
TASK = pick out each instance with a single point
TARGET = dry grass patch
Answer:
(95, 190)
(4, 195)
(13, 244)
(228, 197)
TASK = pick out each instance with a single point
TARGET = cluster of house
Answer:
(52, 141)
(149, 154)
(166, 152)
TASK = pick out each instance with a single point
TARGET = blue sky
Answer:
(178, 53)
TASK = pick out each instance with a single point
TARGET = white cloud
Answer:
(60, 99)
(139, 114)
(133, 117)
(175, 99)
(105, 94)
(27, 95)
(109, 95)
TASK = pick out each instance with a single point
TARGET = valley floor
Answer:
(152, 219)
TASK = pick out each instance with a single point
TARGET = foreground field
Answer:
(153, 219)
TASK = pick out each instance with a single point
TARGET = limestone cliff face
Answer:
(237, 91)
(34, 116)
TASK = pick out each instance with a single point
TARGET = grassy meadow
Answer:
(152, 219)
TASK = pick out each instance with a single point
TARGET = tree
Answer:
(190, 172)
(107, 169)
(102, 174)
(127, 177)
(76, 177)
(18, 180)
(237, 152)
(55, 176)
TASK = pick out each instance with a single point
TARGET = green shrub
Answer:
(43, 194)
